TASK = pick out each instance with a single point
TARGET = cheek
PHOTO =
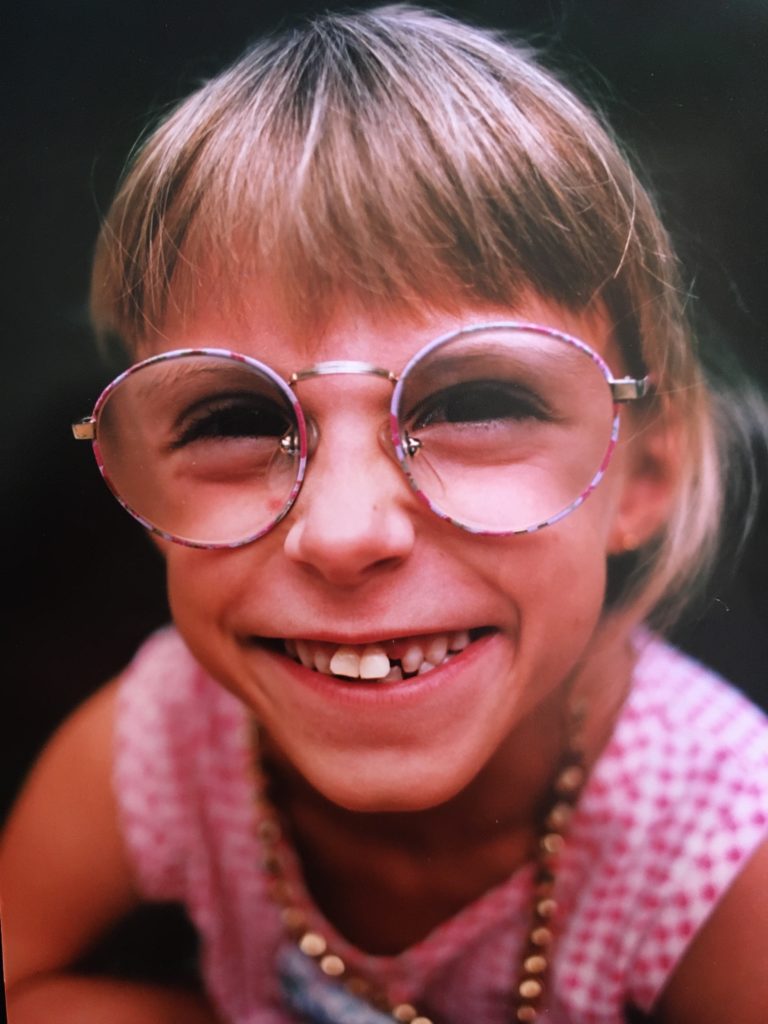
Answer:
(572, 584)
(555, 583)
(202, 585)
(203, 589)
(564, 560)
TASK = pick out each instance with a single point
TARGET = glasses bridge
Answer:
(341, 366)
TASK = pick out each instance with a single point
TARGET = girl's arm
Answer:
(61, 998)
(65, 880)
(723, 976)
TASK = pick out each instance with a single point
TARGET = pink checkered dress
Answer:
(672, 810)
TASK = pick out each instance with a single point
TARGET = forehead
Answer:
(264, 329)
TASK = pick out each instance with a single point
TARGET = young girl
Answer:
(415, 421)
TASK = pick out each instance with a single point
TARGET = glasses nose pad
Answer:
(418, 466)
(393, 448)
(411, 445)
(407, 445)
(290, 444)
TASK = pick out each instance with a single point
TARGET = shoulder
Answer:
(688, 763)
(688, 758)
(711, 775)
(684, 723)
(76, 760)
(674, 813)
(659, 664)
(687, 697)
(64, 872)
(722, 974)
(698, 747)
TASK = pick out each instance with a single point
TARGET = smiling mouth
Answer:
(387, 661)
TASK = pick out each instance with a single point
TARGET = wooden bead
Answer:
(271, 864)
(269, 830)
(405, 1012)
(293, 919)
(312, 944)
(559, 816)
(570, 780)
(359, 987)
(332, 965)
(281, 892)
(546, 908)
(552, 843)
(530, 988)
(541, 936)
(535, 964)
(526, 1013)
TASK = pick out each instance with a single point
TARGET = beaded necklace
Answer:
(530, 989)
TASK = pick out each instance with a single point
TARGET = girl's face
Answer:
(360, 561)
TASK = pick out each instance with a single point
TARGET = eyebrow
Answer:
(166, 374)
(497, 354)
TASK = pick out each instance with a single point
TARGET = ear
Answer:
(650, 463)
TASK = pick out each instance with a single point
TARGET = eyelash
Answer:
(231, 420)
(495, 401)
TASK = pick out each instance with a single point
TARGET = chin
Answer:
(378, 786)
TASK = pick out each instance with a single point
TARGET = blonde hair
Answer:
(397, 157)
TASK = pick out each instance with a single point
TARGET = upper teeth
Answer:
(371, 661)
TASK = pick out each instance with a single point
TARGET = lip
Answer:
(406, 692)
(383, 638)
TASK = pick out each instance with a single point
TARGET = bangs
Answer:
(424, 164)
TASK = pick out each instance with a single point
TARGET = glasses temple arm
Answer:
(628, 389)
(84, 429)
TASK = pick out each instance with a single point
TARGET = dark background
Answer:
(686, 85)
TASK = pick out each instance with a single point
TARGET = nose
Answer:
(354, 516)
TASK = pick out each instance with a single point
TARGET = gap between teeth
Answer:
(371, 662)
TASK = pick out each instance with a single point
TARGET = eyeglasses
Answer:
(500, 428)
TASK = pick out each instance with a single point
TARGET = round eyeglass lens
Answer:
(504, 430)
(203, 448)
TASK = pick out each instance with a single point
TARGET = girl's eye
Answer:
(221, 420)
(480, 401)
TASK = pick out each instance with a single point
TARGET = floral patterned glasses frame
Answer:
(500, 428)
